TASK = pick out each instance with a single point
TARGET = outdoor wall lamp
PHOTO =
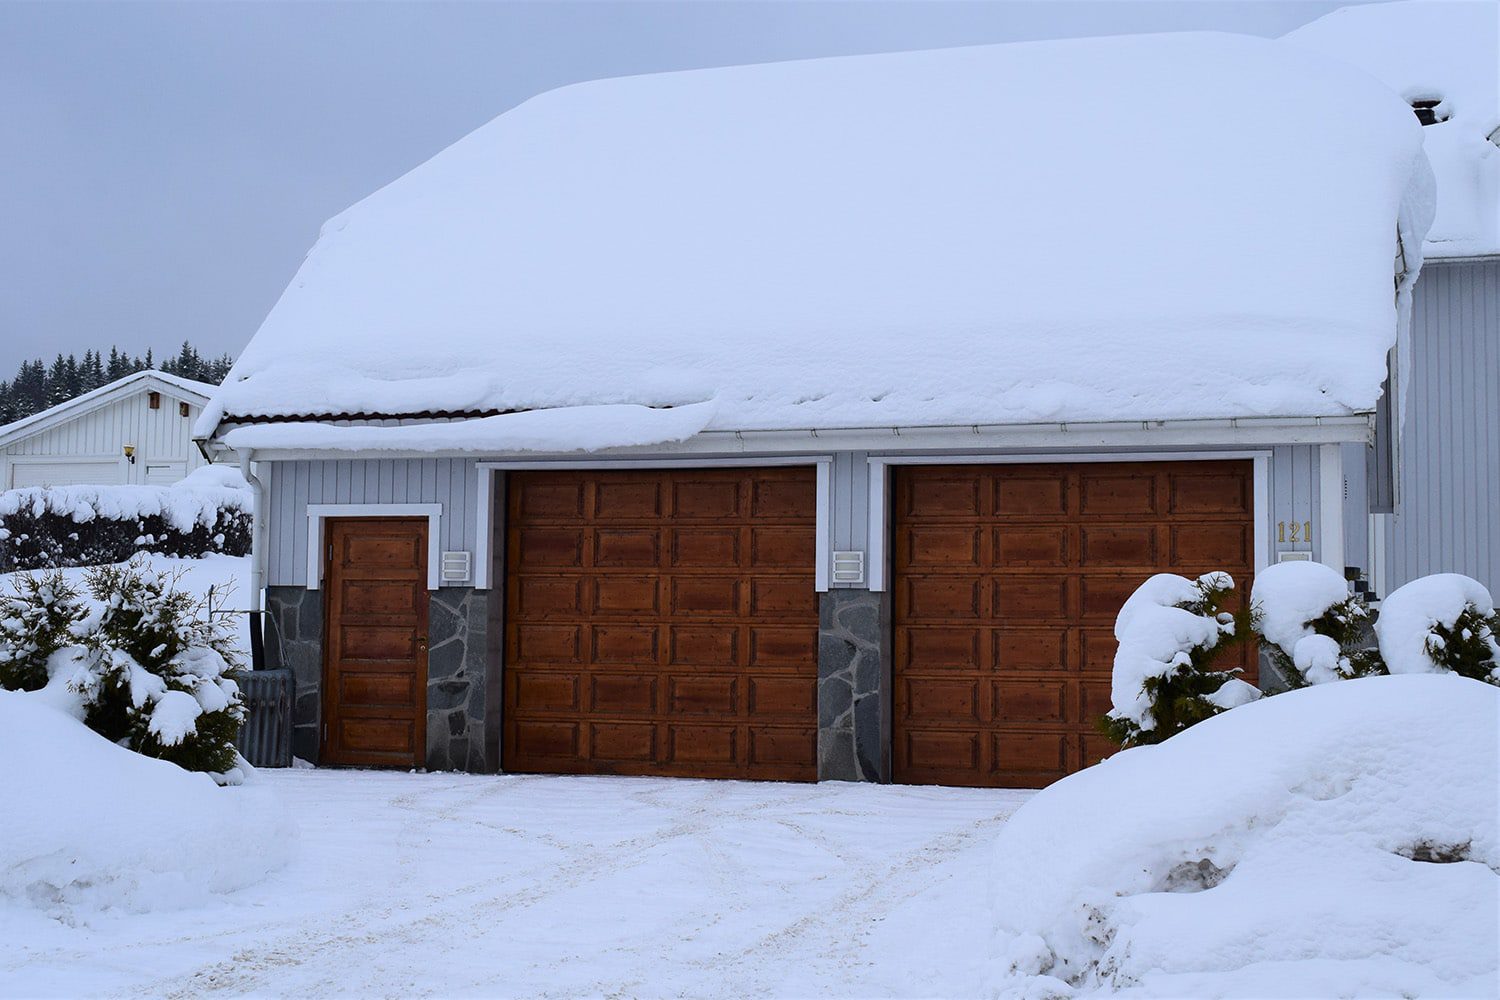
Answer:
(130, 453)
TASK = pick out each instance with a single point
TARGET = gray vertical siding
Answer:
(454, 483)
(1447, 519)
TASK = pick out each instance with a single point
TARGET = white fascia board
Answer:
(1240, 432)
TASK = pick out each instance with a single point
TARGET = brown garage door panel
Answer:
(662, 622)
(1008, 582)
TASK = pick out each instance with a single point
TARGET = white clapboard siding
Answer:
(96, 436)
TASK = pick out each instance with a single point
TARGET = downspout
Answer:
(257, 562)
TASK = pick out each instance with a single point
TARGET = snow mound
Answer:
(1409, 614)
(1289, 595)
(225, 477)
(1287, 845)
(90, 825)
(1446, 51)
(870, 241)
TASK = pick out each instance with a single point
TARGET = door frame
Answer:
(879, 557)
(325, 694)
(317, 513)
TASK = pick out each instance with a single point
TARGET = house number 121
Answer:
(1294, 531)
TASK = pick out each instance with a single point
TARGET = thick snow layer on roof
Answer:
(1152, 227)
(1444, 50)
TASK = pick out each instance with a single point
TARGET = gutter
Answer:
(257, 562)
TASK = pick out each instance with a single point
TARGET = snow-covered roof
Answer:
(1141, 228)
(1446, 51)
(185, 389)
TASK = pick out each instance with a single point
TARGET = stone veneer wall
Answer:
(457, 679)
(457, 676)
(854, 686)
(294, 638)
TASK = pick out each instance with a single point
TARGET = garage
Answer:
(1008, 579)
(661, 622)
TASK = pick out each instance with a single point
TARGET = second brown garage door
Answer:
(1008, 581)
(661, 622)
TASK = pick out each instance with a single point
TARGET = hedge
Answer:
(55, 527)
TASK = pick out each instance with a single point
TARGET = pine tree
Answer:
(118, 366)
(55, 384)
(92, 371)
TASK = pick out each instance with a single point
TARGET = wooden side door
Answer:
(375, 647)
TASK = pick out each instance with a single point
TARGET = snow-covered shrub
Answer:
(42, 528)
(1170, 631)
(1286, 848)
(156, 674)
(1439, 623)
(90, 825)
(1314, 629)
(37, 618)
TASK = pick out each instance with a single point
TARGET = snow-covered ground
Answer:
(460, 885)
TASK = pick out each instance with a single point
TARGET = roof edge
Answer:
(181, 388)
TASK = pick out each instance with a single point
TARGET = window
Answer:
(1430, 110)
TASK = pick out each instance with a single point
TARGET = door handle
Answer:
(422, 643)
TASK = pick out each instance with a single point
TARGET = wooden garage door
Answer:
(662, 622)
(1008, 581)
(375, 661)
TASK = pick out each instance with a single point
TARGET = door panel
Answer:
(375, 662)
(661, 622)
(1008, 581)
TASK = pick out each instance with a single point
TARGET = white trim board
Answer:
(879, 513)
(317, 513)
(1236, 432)
(484, 534)
(1331, 506)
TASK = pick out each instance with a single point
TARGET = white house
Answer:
(136, 430)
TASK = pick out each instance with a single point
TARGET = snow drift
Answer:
(90, 825)
(1447, 51)
(1336, 840)
(1140, 228)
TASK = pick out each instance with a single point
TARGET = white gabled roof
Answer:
(1444, 50)
(184, 389)
(1138, 228)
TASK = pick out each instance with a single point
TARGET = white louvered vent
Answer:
(456, 567)
(848, 567)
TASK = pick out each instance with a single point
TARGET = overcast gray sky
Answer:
(164, 166)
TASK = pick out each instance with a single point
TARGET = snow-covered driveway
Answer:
(534, 886)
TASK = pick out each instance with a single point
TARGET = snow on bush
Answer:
(148, 663)
(42, 527)
(1442, 622)
(1314, 628)
(89, 824)
(1336, 840)
(37, 618)
(1170, 631)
